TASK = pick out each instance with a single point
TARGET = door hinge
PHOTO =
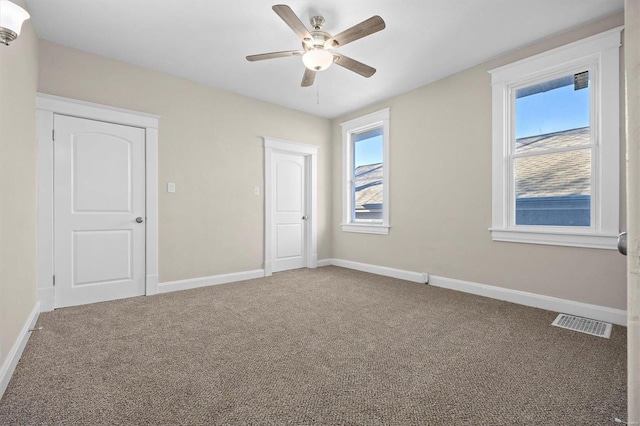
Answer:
(54, 280)
(53, 135)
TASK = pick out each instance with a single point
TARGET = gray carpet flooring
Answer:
(325, 346)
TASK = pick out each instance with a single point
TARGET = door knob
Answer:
(304, 217)
(622, 243)
(139, 219)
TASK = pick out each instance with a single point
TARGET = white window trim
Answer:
(599, 52)
(350, 127)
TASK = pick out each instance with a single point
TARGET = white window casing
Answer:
(600, 55)
(349, 128)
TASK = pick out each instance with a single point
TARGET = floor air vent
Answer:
(583, 325)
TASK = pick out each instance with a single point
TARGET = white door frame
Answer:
(46, 107)
(310, 152)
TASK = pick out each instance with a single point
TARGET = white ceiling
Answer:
(207, 40)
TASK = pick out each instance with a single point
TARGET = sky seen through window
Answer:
(559, 109)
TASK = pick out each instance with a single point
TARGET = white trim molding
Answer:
(548, 237)
(415, 277)
(349, 128)
(310, 152)
(93, 111)
(48, 106)
(9, 365)
(365, 228)
(599, 55)
(46, 298)
(550, 303)
(209, 281)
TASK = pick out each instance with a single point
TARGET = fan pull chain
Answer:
(318, 93)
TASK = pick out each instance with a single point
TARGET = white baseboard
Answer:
(555, 304)
(46, 298)
(602, 313)
(10, 362)
(207, 281)
(374, 269)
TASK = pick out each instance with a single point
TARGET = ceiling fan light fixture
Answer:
(11, 18)
(317, 59)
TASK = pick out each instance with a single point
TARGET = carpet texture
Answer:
(324, 346)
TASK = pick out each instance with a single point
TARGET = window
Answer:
(365, 173)
(556, 146)
(552, 152)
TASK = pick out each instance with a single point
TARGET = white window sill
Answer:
(366, 228)
(556, 238)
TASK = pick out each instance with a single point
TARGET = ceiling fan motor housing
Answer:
(318, 40)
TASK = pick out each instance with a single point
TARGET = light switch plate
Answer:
(256, 190)
(171, 187)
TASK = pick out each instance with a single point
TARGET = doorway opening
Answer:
(291, 197)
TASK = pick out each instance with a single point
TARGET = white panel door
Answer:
(289, 215)
(99, 184)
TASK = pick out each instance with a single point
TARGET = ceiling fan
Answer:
(317, 44)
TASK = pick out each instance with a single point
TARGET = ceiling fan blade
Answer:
(292, 20)
(263, 56)
(363, 29)
(308, 77)
(353, 65)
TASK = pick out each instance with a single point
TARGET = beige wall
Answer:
(440, 204)
(18, 80)
(210, 145)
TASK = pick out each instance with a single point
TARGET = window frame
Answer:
(349, 128)
(600, 55)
